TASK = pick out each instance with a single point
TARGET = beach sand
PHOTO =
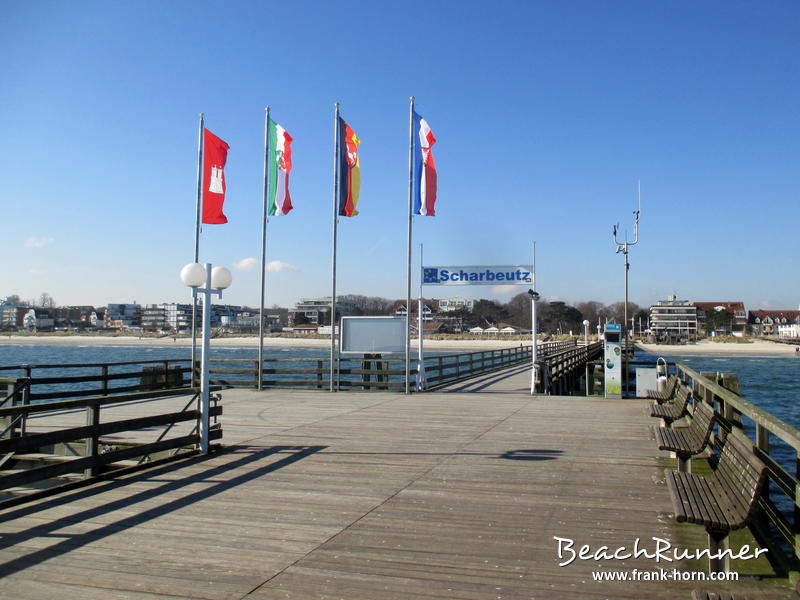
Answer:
(757, 348)
(706, 347)
(284, 342)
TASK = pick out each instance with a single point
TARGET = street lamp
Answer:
(534, 367)
(217, 279)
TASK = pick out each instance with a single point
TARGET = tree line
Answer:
(554, 316)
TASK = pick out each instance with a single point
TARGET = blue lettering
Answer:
(501, 276)
(489, 275)
(473, 277)
(519, 275)
(526, 275)
(444, 275)
(463, 276)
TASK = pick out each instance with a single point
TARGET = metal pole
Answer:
(264, 221)
(336, 184)
(534, 295)
(421, 380)
(410, 222)
(586, 347)
(625, 327)
(205, 396)
(197, 235)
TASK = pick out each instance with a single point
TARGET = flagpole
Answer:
(197, 236)
(421, 383)
(410, 221)
(264, 221)
(336, 184)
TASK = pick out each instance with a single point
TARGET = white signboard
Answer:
(373, 335)
(503, 275)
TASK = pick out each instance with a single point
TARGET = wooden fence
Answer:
(367, 372)
(562, 370)
(778, 527)
(60, 447)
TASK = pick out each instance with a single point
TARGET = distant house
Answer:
(476, 330)
(317, 311)
(398, 309)
(306, 329)
(766, 322)
(736, 309)
(457, 303)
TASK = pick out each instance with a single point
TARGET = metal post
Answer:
(586, 353)
(623, 247)
(205, 395)
(264, 221)
(421, 380)
(534, 297)
(336, 152)
(197, 235)
(410, 223)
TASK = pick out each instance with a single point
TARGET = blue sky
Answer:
(546, 114)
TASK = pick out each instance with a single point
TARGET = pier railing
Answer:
(777, 444)
(364, 372)
(562, 370)
(57, 452)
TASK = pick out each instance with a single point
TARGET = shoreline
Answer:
(703, 347)
(240, 342)
(708, 348)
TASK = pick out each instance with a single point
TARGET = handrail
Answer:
(94, 459)
(20, 385)
(731, 407)
(380, 374)
(561, 370)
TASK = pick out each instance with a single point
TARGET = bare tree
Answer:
(592, 310)
(46, 301)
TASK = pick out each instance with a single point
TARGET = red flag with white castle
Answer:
(215, 154)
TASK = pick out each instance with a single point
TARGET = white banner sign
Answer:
(504, 275)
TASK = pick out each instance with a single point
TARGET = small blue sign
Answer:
(430, 275)
(613, 327)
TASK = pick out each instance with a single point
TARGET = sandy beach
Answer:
(297, 342)
(706, 347)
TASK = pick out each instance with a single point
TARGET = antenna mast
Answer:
(623, 247)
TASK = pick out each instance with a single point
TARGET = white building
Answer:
(791, 330)
(453, 304)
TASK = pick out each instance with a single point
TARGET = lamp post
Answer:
(586, 347)
(217, 279)
(534, 367)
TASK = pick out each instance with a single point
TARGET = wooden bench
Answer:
(672, 382)
(700, 595)
(685, 442)
(672, 411)
(723, 501)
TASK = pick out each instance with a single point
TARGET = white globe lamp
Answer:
(221, 278)
(193, 275)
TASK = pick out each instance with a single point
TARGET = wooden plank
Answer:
(356, 495)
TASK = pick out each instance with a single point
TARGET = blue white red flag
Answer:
(425, 192)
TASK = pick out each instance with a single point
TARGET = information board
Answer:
(362, 335)
(612, 360)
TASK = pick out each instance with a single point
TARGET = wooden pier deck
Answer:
(453, 494)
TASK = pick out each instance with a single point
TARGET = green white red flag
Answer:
(280, 165)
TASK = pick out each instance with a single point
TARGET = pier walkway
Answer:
(373, 496)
